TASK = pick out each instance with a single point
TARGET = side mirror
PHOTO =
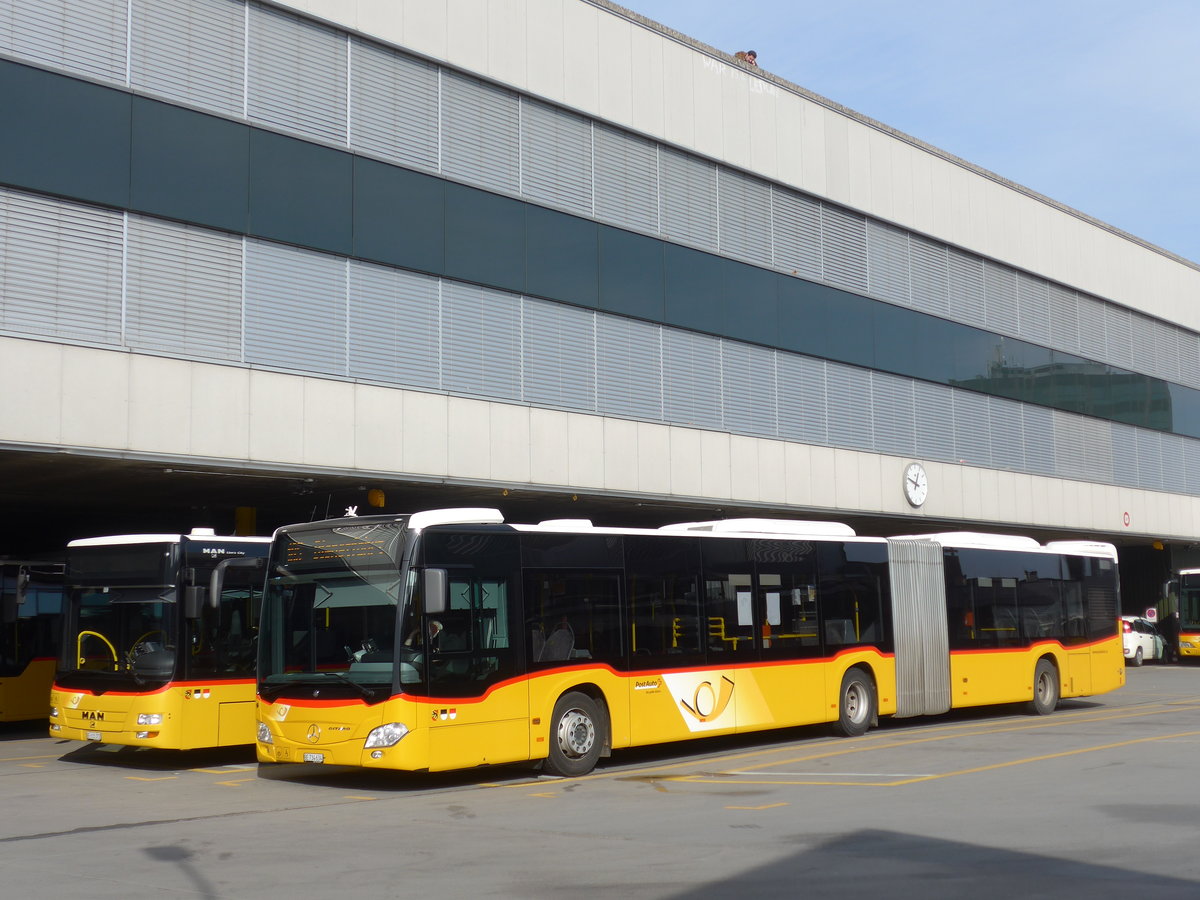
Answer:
(193, 601)
(10, 601)
(434, 590)
(217, 582)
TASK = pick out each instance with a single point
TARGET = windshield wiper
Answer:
(366, 692)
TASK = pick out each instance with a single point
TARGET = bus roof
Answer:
(116, 540)
(977, 540)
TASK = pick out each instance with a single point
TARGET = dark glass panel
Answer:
(563, 257)
(695, 291)
(667, 628)
(63, 136)
(803, 316)
(300, 193)
(485, 238)
(854, 595)
(574, 550)
(399, 216)
(189, 166)
(728, 600)
(572, 616)
(751, 303)
(849, 332)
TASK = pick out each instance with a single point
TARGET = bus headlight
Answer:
(149, 718)
(386, 735)
(264, 734)
(54, 712)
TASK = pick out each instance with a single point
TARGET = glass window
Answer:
(572, 615)
(571, 550)
(787, 598)
(485, 238)
(468, 646)
(728, 599)
(854, 595)
(666, 628)
(563, 257)
(222, 640)
(754, 295)
(631, 274)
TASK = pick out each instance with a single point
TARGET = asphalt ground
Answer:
(1100, 799)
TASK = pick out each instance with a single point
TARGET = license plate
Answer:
(95, 736)
(314, 757)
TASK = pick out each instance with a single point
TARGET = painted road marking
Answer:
(756, 808)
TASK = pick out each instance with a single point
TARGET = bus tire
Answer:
(1045, 689)
(576, 736)
(856, 703)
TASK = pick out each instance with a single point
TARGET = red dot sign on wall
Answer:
(1126, 520)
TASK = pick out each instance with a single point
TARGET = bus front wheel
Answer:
(856, 703)
(575, 736)
(1045, 689)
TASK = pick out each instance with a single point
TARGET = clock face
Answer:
(916, 484)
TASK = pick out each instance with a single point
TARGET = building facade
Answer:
(548, 245)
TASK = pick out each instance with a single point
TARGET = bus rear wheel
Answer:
(575, 736)
(1045, 689)
(856, 703)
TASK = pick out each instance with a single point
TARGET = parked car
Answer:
(1142, 640)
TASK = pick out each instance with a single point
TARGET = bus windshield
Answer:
(1189, 602)
(330, 612)
(123, 630)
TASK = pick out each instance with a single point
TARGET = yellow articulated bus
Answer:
(448, 639)
(152, 656)
(31, 599)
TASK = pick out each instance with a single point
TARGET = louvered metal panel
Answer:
(1188, 343)
(1167, 350)
(843, 248)
(1118, 328)
(556, 157)
(848, 395)
(481, 341)
(930, 273)
(893, 407)
(1000, 287)
(85, 36)
(1093, 343)
(1038, 427)
(887, 263)
(297, 75)
(934, 412)
(1149, 455)
(629, 368)
(744, 213)
(1007, 434)
(184, 290)
(688, 194)
(796, 230)
(918, 588)
(1144, 352)
(1123, 439)
(1174, 469)
(1070, 444)
(60, 269)
(393, 105)
(1096, 463)
(626, 178)
(1191, 461)
(394, 326)
(295, 309)
(691, 379)
(749, 394)
(802, 404)
(559, 355)
(191, 50)
(972, 429)
(1064, 318)
(480, 126)
(1033, 304)
(967, 300)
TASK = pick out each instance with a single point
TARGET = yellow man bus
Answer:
(152, 656)
(1188, 586)
(30, 633)
(449, 639)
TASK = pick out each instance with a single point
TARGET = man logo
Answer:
(707, 704)
(314, 733)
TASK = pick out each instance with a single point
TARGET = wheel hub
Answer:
(576, 733)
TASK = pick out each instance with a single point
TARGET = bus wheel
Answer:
(575, 740)
(857, 703)
(1045, 689)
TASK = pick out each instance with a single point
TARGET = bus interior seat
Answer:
(560, 644)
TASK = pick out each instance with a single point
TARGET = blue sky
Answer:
(1093, 104)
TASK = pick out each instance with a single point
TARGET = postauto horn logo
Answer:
(704, 698)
